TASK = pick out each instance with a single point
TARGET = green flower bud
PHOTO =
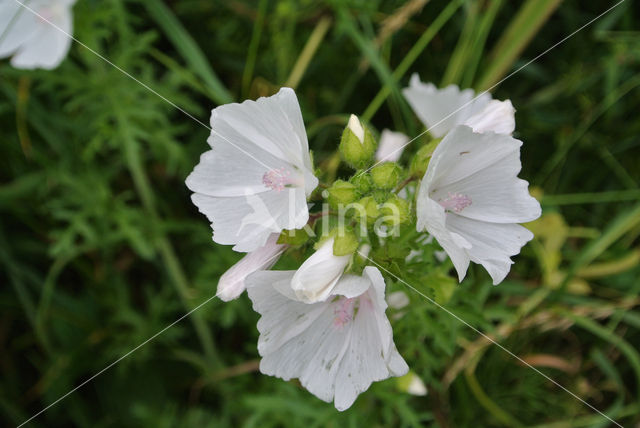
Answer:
(357, 145)
(396, 210)
(386, 175)
(293, 237)
(370, 209)
(380, 195)
(341, 193)
(421, 159)
(362, 181)
(345, 243)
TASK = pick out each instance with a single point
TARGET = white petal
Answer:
(34, 42)
(232, 282)
(492, 244)
(248, 221)
(262, 125)
(316, 277)
(464, 152)
(497, 116)
(442, 109)
(257, 176)
(356, 127)
(391, 146)
(17, 25)
(432, 218)
(497, 195)
(335, 351)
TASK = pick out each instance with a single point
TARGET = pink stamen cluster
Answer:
(343, 312)
(276, 179)
(455, 202)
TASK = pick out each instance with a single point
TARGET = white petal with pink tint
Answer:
(336, 347)
(232, 282)
(471, 200)
(257, 176)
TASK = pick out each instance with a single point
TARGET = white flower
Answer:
(338, 347)
(318, 275)
(391, 146)
(397, 299)
(257, 176)
(232, 282)
(442, 109)
(31, 40)
(471, 200)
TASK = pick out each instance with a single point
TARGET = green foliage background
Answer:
(101, 248)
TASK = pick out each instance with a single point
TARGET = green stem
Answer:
(316, 37)
(486, 402)
(252, 52)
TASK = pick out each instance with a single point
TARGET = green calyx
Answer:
(369, 209)
(421, 159)
(341, 193)
(396, 211)
(293, 237)
(386, 175)
(345, 243)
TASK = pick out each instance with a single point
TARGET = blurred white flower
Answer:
(318, 275)
(257, 176)
(29, 39)
(397, 299)
(390, 146)
(338, 347)
(471, 200)
(412, 384)
(416, 386)
(442, 109)
(232, 282)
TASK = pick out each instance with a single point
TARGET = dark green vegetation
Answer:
(101, 248)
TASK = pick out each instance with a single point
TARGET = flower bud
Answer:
(315, 278)
(421, 159)
(345, 243)
(357, 145)
(232, 282)
(341, 193)
(293, 237)
(386, 175)
(411, 384)
(370, 209)
(362, 181)
(396, 210)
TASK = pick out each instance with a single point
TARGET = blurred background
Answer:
(101, 248)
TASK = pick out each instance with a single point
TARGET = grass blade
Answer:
(188, 48)
(532, 15)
